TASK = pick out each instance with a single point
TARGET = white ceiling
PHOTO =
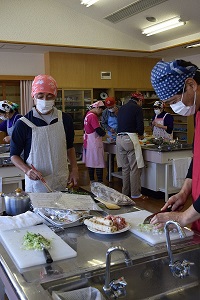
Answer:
(167, 44)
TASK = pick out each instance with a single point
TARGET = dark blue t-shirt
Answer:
(22, 134)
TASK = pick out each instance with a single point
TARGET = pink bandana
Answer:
(44, 84)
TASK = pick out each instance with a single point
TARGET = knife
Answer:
(47, 255)
(148, 219)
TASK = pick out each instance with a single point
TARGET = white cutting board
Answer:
(137, 217)
(13, 239)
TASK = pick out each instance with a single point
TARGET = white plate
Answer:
(115, 232)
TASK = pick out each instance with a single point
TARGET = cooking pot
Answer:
(17, 203)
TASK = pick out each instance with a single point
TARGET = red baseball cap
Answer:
(110, 101)
(137, 96)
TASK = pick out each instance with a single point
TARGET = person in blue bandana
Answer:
(109, 123)
(178, 84)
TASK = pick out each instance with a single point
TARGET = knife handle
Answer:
(47, 255)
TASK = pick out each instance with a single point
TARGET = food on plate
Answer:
(108, 224)
(35, 241)
(100, 226)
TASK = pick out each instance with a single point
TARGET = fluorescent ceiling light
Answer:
(193, 46)
(166, 25)
(88, 3)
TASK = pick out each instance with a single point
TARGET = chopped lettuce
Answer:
(34, 241)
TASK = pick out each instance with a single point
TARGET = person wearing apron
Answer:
(162, 122)
(9, 114)
(109, 123)
(93, 150)
(129, 153)
(46, 136)
(178, 83)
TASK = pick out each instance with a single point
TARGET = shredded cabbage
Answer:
(34, 241)
(150, 228)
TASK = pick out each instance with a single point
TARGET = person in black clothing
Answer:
(129, 153)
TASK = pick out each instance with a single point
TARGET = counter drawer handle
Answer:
(19, 175)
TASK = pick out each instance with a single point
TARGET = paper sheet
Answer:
(61, 200)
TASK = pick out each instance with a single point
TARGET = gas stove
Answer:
(5, 159)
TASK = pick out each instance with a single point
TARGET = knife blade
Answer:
(148, 219)
(47, 254)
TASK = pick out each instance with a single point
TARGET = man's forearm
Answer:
(19, 163)
(72, 158)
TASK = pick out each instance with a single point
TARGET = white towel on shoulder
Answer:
(20, 221)
(179, 170)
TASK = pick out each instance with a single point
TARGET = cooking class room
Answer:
(108, 206)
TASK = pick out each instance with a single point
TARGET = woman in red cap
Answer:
(46, 136)
(93, 152)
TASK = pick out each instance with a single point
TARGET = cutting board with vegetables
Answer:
(137, 217)
(13, 240)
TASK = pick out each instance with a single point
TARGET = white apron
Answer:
(48, 155)
(138, 150)
(93, 157)
(160, 132)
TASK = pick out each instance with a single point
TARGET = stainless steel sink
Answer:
(151, 279)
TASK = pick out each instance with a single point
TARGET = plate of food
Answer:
(107, 225)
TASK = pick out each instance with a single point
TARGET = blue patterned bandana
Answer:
(168, 78)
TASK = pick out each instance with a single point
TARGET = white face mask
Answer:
(3, 118)
(183, 110)
(157, 111)
(44, 106)
(111, 109)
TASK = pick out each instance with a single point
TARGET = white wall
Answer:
(26, 64)
(195, 59)
(32, 64)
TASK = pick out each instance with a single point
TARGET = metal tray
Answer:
(55, 216)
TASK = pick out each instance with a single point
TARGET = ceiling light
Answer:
(88, 3)
(166, 25)
(193, 46)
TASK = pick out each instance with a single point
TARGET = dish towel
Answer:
(20, 221)
(179, 170)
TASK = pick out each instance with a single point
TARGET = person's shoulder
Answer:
(67, 118)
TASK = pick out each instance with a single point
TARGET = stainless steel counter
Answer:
(91, 250)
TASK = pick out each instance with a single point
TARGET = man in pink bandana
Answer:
(45, 136)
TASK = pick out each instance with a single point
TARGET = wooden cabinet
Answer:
(10, 90)
(74, 102)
